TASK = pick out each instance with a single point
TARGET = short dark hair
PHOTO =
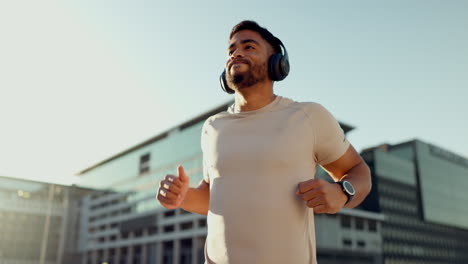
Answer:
(266, 35)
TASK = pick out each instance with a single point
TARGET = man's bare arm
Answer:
(329, 198)
(197, 200)
(351, 167)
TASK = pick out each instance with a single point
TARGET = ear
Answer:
(270, 51)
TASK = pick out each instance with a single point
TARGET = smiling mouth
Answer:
(238, 63)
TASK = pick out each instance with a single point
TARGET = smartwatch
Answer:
(348, 189)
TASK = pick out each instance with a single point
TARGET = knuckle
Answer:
(169, 178)
(166, 201)
(161, 199)
(303, 186)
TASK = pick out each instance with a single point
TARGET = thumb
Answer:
(181, 172)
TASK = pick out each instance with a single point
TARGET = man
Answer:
(260, 157)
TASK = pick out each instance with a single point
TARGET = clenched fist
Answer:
(172, 189)
(321, 195)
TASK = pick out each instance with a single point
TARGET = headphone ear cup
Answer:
(284, 67)
(224, 85)
(273, 63)
(278, 67)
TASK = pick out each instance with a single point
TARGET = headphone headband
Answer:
(284, 52)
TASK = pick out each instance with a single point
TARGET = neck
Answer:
(254, 97)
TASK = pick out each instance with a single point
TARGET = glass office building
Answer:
(421, 190)
(123, 223)
(39, 222)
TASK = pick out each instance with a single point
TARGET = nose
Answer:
(237, 53)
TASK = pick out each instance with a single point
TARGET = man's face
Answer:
(248, 55)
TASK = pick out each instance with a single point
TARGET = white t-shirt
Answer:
(253, 162)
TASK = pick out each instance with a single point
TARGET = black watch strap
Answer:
(348, 189)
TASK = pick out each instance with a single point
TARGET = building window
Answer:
(361, 244)
(202, 222)
(372, 226)
(138, 233)
(346, 221)
(347, 242)
(152, 230)
(170, 213)
(168, 228)
(145, 163)
(186, 225)
(359, 223)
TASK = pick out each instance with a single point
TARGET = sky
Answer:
(83, 80)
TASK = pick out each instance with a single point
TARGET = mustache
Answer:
(238, 61)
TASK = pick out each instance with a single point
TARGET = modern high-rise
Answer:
(123, 222)
(421, 189)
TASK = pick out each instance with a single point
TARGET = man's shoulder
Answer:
(308, 107)
(219, 115)
(215, 117)
(314, 111)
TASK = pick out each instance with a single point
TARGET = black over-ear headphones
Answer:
(278, 68)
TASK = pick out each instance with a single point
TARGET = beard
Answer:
(256, 73)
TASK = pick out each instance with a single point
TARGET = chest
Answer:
(283, 139)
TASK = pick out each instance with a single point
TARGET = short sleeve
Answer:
(330, 142)
(204, 141)
(206, 176)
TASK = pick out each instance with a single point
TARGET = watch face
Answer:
(348, 187)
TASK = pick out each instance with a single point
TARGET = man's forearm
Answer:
(197, 200)
(359, 176)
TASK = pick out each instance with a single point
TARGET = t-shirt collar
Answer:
(232, 109)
